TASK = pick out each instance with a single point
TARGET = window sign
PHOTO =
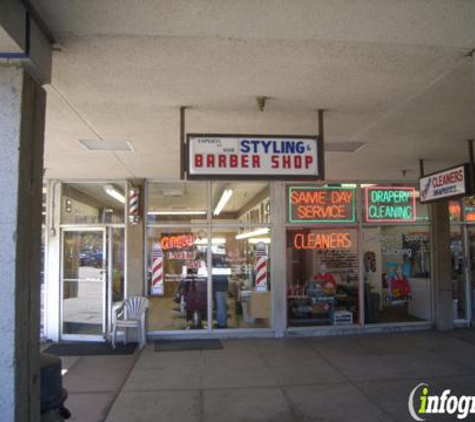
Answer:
(251, 155)
(321, 204)
(390, 204)
(448, 183)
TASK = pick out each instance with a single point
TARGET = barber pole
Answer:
(134, 205)
(261, 267)
(157, 270)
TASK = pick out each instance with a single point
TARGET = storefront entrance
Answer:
(91, 280)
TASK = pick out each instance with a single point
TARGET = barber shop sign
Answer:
(246, 156)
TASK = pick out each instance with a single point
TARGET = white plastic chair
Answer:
(130, 314)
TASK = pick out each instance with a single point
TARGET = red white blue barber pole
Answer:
(134, 217)
(157, 270)
(261, 267)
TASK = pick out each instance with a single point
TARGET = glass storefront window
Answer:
(322, 276)
(240, 202)
(93, 203)
(177, 203)
(458, 273)
(455, 211)
(241, 278)
(177, 278)
(471, 257)
(228, 265)
(469, 209)
(397, 274)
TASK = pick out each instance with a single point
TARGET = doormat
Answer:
(187, 345)
(90, 349)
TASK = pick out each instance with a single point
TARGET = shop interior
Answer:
(198, 226)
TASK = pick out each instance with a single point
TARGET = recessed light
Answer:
(106, 145)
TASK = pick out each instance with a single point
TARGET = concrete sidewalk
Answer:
(364, 378)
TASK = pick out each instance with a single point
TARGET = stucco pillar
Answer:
(442, 266)
(22, 112)
(135, 246)
(278, 259)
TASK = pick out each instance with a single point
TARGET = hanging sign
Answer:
(390, 204)
(246, 156)
(321, 204)
(157, 270)
(448, 183)
(261, 267)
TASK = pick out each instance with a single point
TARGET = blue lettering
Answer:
(275, 148)
(266, 145)
(244, 147)
(290, 147)
(300, 147)
(255, 144)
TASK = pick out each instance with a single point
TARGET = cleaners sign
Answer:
(251, 155)
(390, 204)
(445, 184)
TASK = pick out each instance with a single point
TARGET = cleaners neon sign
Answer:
(390, 204)
(321, 205)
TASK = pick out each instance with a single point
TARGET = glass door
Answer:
(84, 284)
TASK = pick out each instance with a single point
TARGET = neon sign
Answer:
(321, 205)
(177, 242)
(323, 241)
(390, 204)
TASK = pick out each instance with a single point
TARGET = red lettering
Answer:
(233, 161)
(209, 160)
(221, 160)
(274, 162)
(298, 162)
(308, 161)
(244, 161)
(286, 161)
(199, 160)
(256, 161)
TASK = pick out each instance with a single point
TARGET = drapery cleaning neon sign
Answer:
(321, 204)
(390, 204)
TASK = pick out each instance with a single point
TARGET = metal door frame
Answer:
(105, 286)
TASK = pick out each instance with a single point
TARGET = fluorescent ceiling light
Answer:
(112, 191)
(254, 233)
(105, 145)
(223, 201)
(182, 212)
(214, 241)
(254, 240)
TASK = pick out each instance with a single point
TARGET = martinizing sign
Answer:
(245, 156)
(444, 184)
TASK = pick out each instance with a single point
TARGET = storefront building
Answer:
(248, 258)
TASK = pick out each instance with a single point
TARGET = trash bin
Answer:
(53, 395)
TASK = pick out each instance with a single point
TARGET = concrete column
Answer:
(135, 246)
(278, 262)
(22, 111)
(442, 268)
